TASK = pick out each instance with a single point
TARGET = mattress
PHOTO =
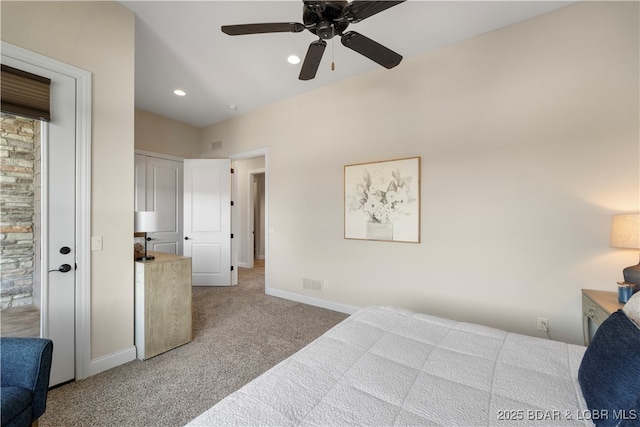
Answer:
(386, 366)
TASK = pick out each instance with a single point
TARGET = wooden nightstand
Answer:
(597, 306)
(162, 318)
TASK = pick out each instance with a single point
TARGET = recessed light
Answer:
(232, 106)
(179, 92)
(293, 59)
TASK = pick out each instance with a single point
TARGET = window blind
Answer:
(24, 94)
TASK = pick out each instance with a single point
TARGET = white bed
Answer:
(386, 366)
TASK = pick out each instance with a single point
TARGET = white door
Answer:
(207, 220)
(59, 201)
(159, 188)
(58, 239)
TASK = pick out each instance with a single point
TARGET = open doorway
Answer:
(250, 215)
(257, 213)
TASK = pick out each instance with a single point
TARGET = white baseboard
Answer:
(244, 264)
(317, 302)
(112, 360)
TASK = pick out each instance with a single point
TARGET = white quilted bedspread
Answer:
(385, 366)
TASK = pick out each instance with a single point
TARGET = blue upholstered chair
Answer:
(26, 365)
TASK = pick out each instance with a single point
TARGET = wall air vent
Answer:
(312, 284)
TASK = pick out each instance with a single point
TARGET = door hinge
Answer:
(232, 268)
(232, 203)
(231, 170)
(232, 235)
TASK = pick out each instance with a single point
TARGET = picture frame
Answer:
(382, 200)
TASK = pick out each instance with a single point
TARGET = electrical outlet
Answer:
(543, 324)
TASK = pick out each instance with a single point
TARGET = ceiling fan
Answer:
(327, 19)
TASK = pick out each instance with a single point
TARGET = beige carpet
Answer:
(239, 333)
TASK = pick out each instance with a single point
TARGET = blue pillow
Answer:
(609, 373)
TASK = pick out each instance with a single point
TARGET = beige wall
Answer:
(97, 37)
(165, 136)
(529, 143)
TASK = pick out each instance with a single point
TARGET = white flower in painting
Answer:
(379, 182)
(401, 197)
(392, 196)
(371, 205)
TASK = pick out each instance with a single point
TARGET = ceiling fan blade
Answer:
(371, 49)
(358, 10)
(273, 27)
(312, 60)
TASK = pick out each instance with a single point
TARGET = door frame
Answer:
(260, 152)
(83, 197)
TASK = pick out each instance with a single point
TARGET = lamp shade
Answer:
(146, 222)
(625, 231)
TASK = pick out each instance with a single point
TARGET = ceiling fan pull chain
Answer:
(333, 48)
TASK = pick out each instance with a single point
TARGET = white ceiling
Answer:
(179, 45)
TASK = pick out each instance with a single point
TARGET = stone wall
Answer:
(18, 145)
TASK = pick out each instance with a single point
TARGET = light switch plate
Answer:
(96, 243)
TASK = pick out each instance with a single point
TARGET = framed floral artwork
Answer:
(382, 200)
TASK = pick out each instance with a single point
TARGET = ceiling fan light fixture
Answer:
(179, 92)
(293, 59)
(327, 19)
